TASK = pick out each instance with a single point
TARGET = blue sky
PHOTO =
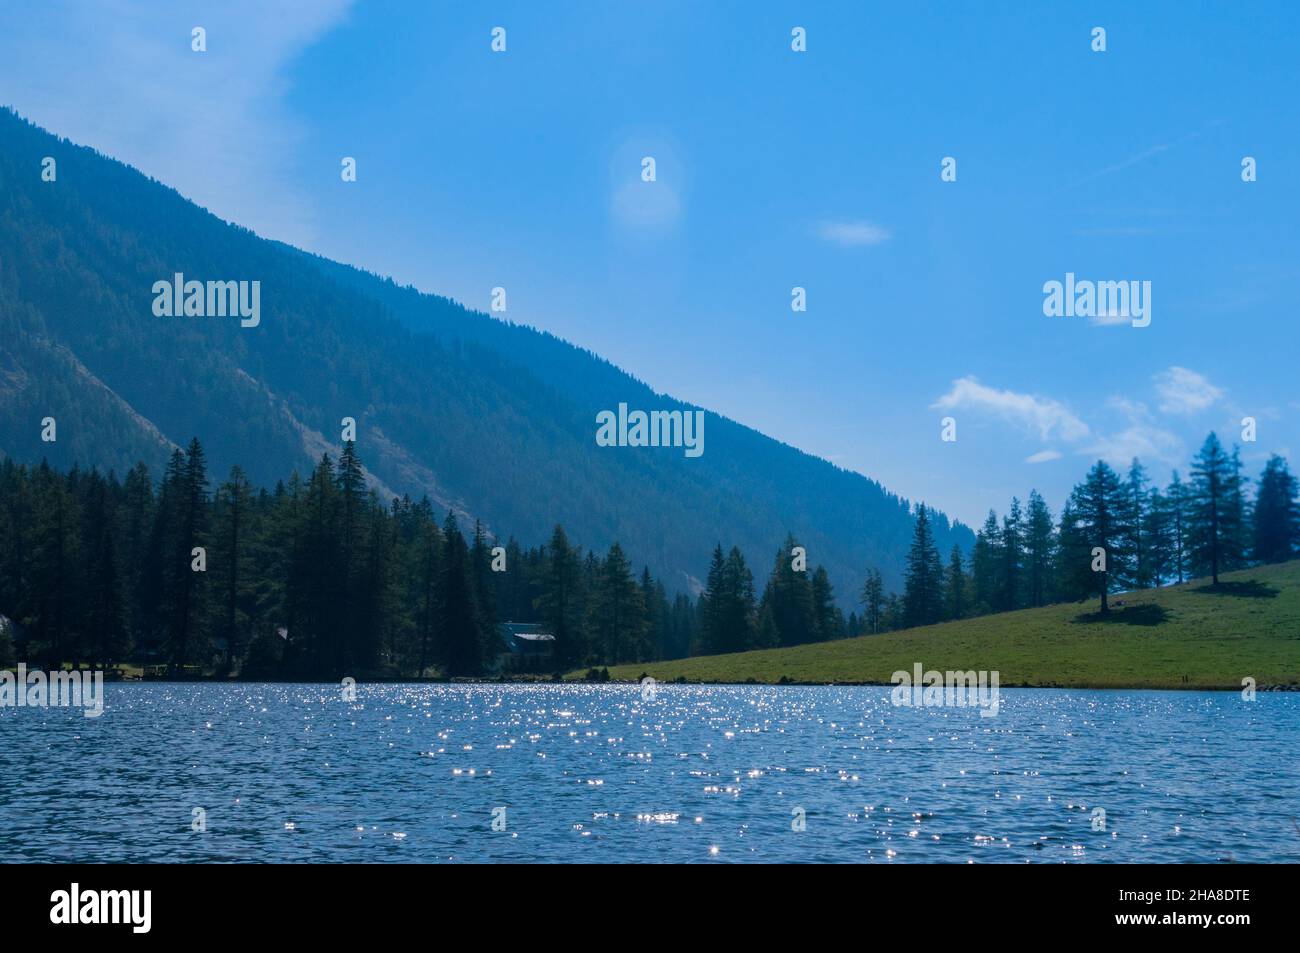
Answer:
(774, 169)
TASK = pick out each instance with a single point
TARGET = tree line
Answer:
(319, 578)
(1115, 533)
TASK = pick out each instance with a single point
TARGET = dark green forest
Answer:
(319, 578)
(1209, 524)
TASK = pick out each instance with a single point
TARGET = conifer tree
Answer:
(1012, 557)
(1136, 518)
(617, 611)
(1159, 539)
(560, 602)
(827, 620)
(1277, 515)
(1177, 505)
(923, 586)
(429, 549)
(461, 651)
(986, 565)
(232, 556)
(1100, 511)
(955, 586)
(1040, 544)
(1215, 511)
(728, 611)
(788, 599)
(873, 602)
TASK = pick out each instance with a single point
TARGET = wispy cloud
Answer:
(121, 77)
(1142, 440)
(1185, 392)
(1125, 163)
(1041, 414)
(852, 234)
(1139, 433)
(1141, 436)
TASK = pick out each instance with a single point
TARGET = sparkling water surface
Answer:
(596, 773)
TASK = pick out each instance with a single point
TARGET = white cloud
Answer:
(1111, 319)
(1185, 392)
(1137, 440)
(1139, 434)
(1141, 437)
(121, 77)
(1046, 416)
(852, 234)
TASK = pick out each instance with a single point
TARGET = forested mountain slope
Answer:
(492, 419)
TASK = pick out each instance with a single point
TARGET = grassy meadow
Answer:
(1187, 636)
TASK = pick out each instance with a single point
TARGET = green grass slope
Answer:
(1188, 636)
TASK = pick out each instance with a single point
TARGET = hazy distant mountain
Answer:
(493, 419)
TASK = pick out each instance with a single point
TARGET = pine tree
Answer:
(1238, 514)
(1040, 544)
(658, 617)
(1159, 537)
(1214, 528)
(102, 631)
(377, 595)
(231, 557)
(458, 627)
(350, 530)
(986, 560)
(1136, 518)
(617, 612)
(873, 601)
(481, 561)
(1177, 504)
(560, 601)
(727, 606)
(955, 586)
(134, 525)
(429, 548)
(827, 622)
(189, 586)
(788, 599)
(1012, 557)
(1277, 515)
(319, 580)
(923, 587)
(1100, 511)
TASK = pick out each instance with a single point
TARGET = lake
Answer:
(419, 773)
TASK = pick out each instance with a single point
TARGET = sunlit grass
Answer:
(1188, 636)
